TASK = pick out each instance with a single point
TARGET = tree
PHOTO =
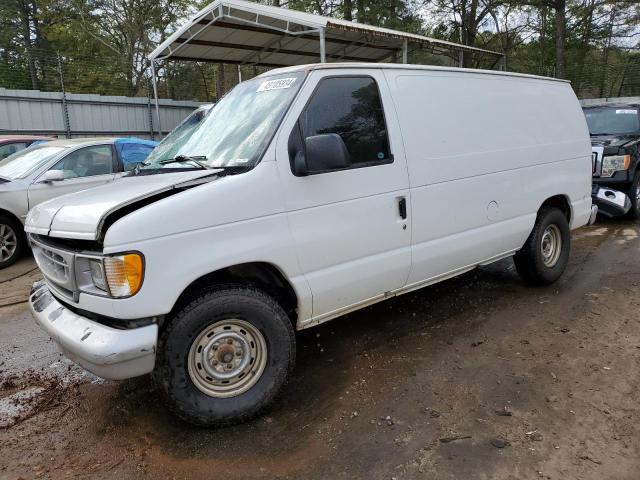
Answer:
(127, 28)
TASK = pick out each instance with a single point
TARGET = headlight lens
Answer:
(613, 163)
(97, 274)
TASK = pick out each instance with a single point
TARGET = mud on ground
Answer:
(478, 377)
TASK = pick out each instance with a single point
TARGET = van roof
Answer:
(402, 66)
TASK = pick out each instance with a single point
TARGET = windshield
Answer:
(236, 131)
(20, 164)
(612, 120)
(169, 146)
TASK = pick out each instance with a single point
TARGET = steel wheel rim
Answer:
(551, 245)
(8, 242)
(227, 358)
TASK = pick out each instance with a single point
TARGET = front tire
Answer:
(545, 254)
(224, 357)
(12, 241)
(634, 196)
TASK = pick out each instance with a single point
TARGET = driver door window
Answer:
(87, 162)
(351, 108)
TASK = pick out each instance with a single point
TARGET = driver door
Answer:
(350, 225)
(83, 168)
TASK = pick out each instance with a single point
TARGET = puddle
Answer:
(22, 404)
(30, 393)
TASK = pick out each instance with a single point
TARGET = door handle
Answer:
(402, 207)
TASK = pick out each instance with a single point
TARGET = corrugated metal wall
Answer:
(35, 112)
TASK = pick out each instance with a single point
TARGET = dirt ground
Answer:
(478, 377)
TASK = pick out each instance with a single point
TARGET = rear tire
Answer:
(224, 357)
(12, 241)
(545, 254)
(634, 196)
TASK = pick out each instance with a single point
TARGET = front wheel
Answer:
(634, 196)
(224, 357)
(545, 254)
(12, 241)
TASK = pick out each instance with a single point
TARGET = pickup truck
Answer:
(615, 145)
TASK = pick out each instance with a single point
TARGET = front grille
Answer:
(57, 267)
(54, 266)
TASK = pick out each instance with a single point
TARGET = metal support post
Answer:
(155, 96)
(65, 108)
(323, 55)
(152, 134)
(405, 51)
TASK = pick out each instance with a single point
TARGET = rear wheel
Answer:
(634, 196)
(224, 357)
(11, 241)
(545, 254)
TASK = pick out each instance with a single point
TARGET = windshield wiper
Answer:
(184, 159)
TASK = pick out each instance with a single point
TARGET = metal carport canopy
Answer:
(246, 33)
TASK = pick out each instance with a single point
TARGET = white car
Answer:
(306, 193)
(55, 168)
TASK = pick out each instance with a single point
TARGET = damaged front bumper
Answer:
(107, 352)
(610, 202)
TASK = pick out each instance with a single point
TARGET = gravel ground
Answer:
(478, 377)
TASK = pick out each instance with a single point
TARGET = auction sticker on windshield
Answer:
(279, 84)
(626, 112)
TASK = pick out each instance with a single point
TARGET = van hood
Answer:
(82, 215)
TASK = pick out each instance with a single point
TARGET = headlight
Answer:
(613, 163)
(118, 275)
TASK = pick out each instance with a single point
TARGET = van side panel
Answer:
(483, 153)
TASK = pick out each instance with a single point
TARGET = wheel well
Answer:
(261, 275)
(560, 202)
(7, 213)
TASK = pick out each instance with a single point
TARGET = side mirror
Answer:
(51, 176)
(324, 153)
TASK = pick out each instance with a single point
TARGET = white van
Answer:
(306, 193)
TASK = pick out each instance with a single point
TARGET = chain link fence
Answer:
(49, 71)
(599, 78)
(596, 76)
